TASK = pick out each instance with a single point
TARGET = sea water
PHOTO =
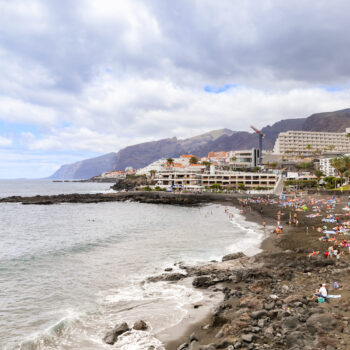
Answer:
(70, 272)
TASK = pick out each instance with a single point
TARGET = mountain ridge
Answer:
(142, 154)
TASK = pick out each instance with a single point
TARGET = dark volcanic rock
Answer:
(170, 277)
(132, 182)
(112, 336)
(290, 323)
(248, 338)
(203, 282)
(233, 256)
(140, 326)
(258, 314)
(269, 306)
(155, 197)
(324, 322)
(183, 346)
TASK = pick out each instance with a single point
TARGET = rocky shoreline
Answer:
(135, 196)
(267, 298)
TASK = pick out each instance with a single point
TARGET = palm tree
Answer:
(206, 163)
(193, 160)
(170, 161)
(347, 175)
(346, 165)
(308, 147)
(319, 174)
(340, 165)
(152, 172)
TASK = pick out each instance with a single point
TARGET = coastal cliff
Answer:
(142, 154)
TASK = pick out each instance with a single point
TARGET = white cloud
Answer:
(17, 111)
(75, 139)
(5, 141)
(101, 75)
(120, 113)
(160, 108)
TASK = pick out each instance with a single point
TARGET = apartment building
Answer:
(326, 168)
(228, 179)
(243, 158)
(234, 179)
(292, 175)
(306, 142)
(180, 179)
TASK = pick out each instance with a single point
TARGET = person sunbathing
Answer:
(313, 253)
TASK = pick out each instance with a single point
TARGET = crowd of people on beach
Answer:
(311, 207)
(333, 225)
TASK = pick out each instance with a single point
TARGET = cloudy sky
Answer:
(86, 77)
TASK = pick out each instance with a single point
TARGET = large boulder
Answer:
(234, 327)
(112, 336)
(248, 338)
(293, 298)
(140, 326)
(169, 277)
(290, 323)
(233, 256)
(203, 282)
(324, 322)
(252, 302)
(294, 339)
(258, 314)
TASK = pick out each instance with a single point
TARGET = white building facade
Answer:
(226, 179)
(155, 166)
(243, 158)
(326, 168)
(305, 142)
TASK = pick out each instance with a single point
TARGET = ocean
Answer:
(70, 272)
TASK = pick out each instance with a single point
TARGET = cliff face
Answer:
(86, 169)
(330, 121)
(143, 154)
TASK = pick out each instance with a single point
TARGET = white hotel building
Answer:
(296, 142)
(326, 168)
(227, 179)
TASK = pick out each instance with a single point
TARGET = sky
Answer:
(87, 77)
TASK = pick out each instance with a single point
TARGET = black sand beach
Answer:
(268, 298)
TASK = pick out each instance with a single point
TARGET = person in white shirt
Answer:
(322, 291)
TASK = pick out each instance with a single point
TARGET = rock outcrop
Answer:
(112, 336)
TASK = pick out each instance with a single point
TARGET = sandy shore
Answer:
(267, 298)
